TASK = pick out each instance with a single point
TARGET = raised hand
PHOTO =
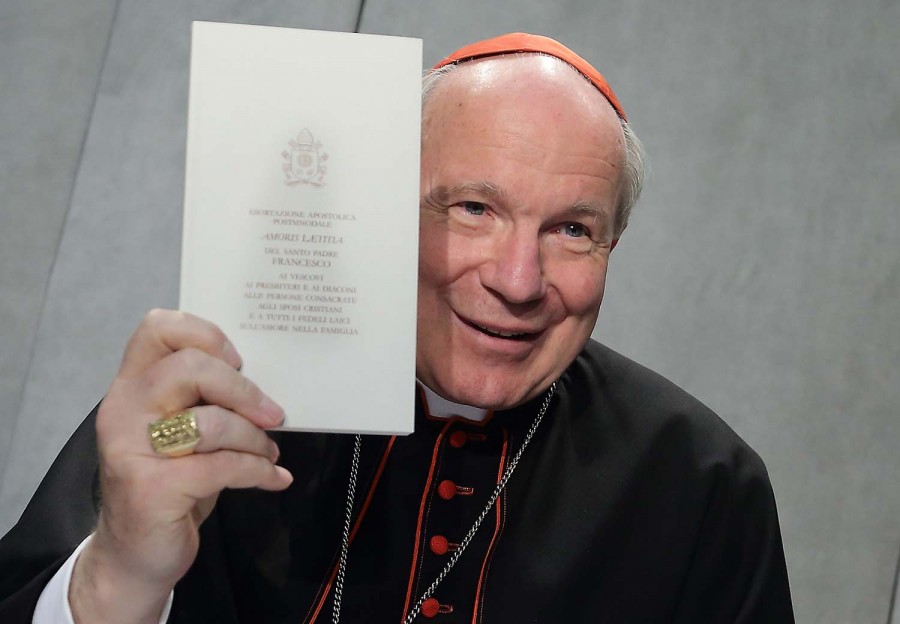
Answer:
(152, 504)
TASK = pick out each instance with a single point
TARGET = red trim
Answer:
(415, 557)
(490, 549)
(362, 513)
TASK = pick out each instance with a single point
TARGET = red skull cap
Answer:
(524, 42)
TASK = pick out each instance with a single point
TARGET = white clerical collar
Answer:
(439, 407)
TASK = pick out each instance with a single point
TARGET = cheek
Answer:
(582, 292)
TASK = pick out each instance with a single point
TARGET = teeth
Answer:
(499, 333)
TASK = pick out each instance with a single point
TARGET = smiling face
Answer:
(521, 171)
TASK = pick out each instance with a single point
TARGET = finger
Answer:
(162, 332)
(223, 429)
(207, 474)
(189, 377)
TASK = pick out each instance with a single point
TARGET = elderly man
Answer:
(548, 480)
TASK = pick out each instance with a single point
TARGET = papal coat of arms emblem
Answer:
(304, 163)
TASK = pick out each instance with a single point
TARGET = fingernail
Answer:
(272, 410)
(231, 355)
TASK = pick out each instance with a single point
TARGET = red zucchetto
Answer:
(524, 42)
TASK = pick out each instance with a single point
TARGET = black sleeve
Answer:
(738, 573)
(59, 516)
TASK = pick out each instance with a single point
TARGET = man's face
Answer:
(521, 171)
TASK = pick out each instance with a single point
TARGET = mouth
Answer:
(496, 332)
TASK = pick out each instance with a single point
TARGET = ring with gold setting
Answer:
(176, 435)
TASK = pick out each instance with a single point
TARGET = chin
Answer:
(488, 392)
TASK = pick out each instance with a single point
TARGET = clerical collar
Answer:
(439, 407)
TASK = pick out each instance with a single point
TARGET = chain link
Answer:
(501, 485)
(345, 538)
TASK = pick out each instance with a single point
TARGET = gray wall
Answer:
(761, 271)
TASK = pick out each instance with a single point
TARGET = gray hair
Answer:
(635, 159)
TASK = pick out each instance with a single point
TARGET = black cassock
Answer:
(632, 503)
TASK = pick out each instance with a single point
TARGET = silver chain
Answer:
(501, 485)
(345, 538)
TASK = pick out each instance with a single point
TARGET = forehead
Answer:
(530, 111)
(535, 76)
(522, 67)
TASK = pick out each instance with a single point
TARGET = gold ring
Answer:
(176, 435)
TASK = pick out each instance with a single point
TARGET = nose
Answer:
(514, 269)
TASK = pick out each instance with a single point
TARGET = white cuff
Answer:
(53, 605)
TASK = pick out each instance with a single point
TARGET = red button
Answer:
(439, 545)
(447, 489)
(430, 608)
(458, 439)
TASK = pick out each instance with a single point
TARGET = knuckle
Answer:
(154, 326)
(156, 376)
(212, 424)
(156, 318)
(173, 371)
(209, 336)
(216, 335)
(192, 360)
(245, 389)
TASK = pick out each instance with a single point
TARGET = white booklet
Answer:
(301, 216)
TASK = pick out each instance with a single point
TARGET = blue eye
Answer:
(473, 208)
(575, 230)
